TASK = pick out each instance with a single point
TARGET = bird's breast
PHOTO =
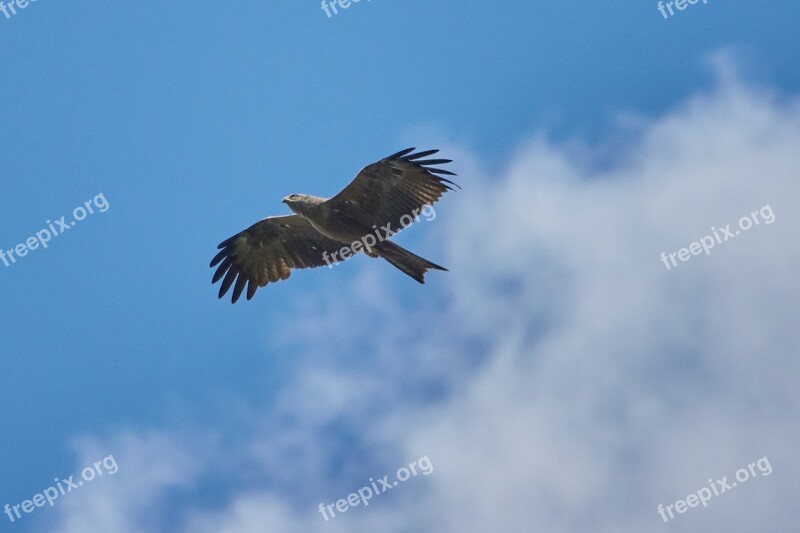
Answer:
(336, 226)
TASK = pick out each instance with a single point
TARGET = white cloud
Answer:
(151, 465)
(566, 381)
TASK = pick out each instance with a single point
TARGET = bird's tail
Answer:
(412, 265)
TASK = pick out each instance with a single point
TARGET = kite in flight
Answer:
(382, 199)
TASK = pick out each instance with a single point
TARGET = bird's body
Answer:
(385, 197)
(320, 215)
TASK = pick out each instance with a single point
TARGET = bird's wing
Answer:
(401, 184)
(267, 252)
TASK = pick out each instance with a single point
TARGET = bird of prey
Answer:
(384, 197)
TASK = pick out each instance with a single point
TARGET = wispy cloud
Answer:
(563, 380)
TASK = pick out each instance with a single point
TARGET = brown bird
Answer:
(384, 198)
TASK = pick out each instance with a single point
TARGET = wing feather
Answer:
(267, 252)
(401, 184)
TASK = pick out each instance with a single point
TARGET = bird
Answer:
(383, 198)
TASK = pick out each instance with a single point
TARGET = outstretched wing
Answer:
(267, 252)
(398, 185)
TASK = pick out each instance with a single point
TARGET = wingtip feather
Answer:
(401, 153)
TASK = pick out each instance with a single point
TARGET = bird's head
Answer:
(300, 203)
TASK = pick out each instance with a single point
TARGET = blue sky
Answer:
(195, 119)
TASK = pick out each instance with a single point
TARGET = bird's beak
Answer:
(286, 200)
